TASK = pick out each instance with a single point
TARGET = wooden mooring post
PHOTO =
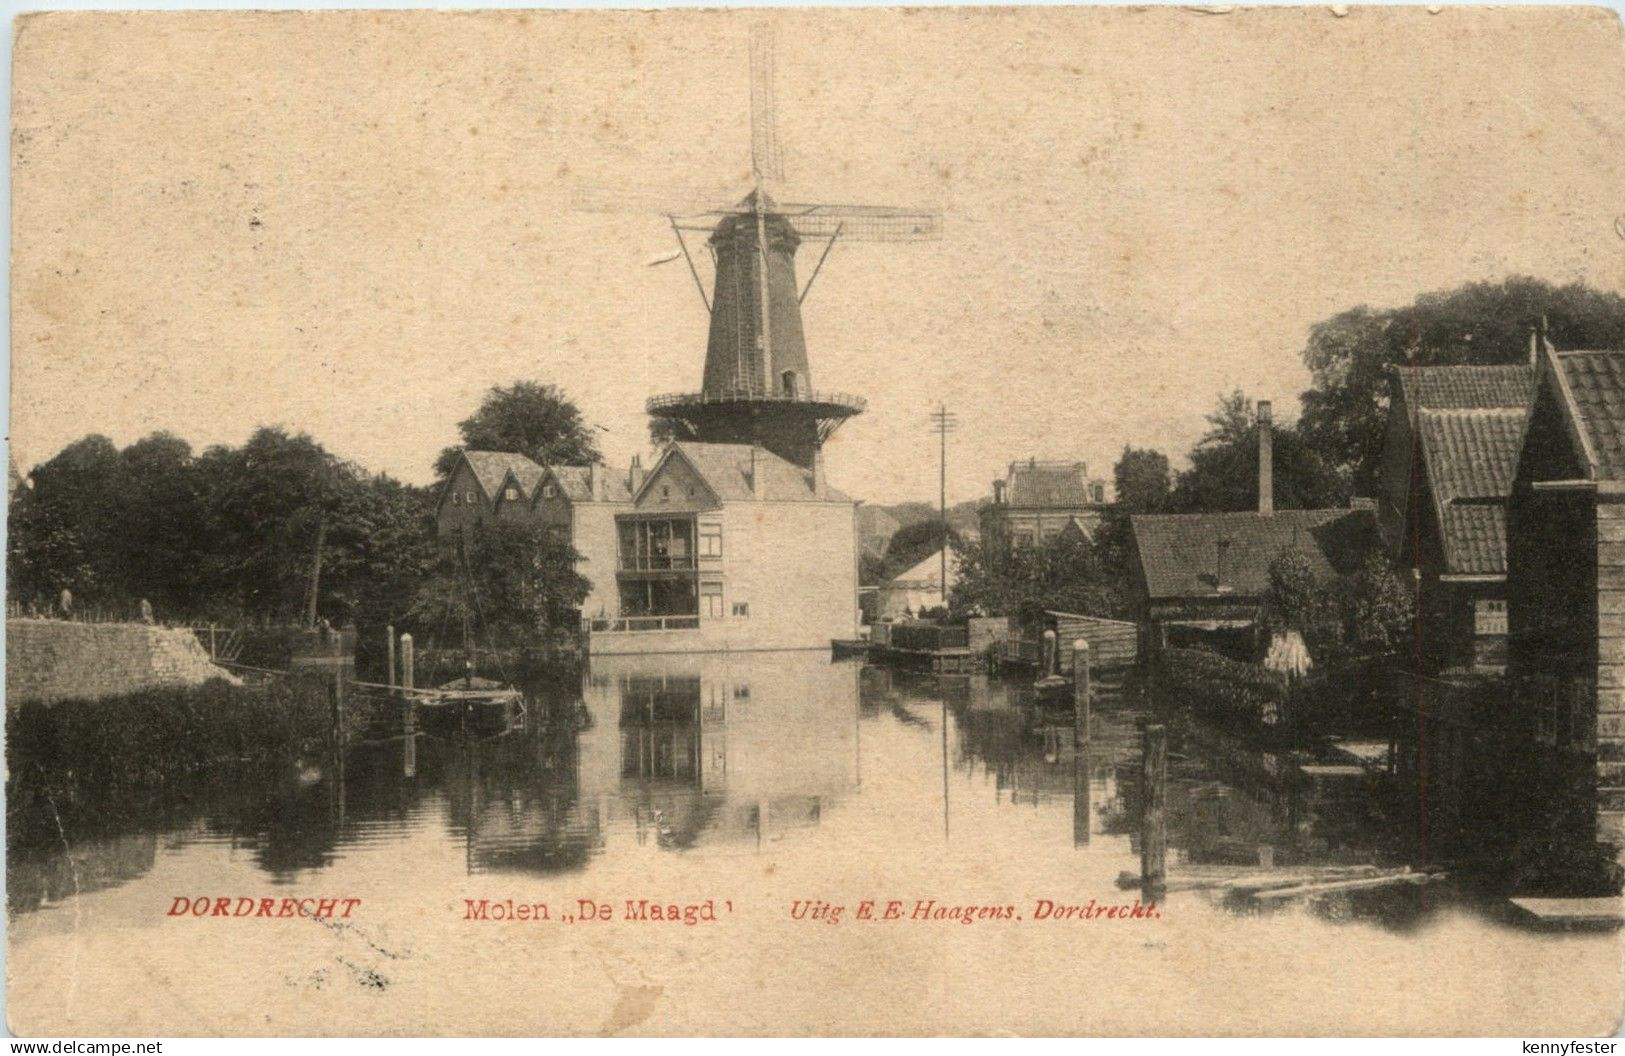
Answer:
(1080, 740)
(1154, 812)
(409, 719)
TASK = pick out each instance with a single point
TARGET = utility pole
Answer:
(944, 422)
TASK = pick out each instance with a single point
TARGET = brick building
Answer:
(1036, 501)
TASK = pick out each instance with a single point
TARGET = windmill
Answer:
(757, 387)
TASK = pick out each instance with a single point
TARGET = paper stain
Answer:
(633, 1004)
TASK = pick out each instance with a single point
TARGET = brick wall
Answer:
(55, 660)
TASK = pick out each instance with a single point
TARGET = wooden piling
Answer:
(409, 720)
(1080, 740)
(406, 661)
(1080, 692)
(1154, 812)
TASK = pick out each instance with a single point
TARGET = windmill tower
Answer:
(757, 385)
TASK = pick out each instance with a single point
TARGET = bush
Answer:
(1219, 688)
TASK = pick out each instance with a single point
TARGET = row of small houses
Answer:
(1503, 491)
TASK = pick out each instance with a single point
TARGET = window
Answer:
(711, 599)
(456, 498)
(1024, 538)
(1583, 716)
(656, 544)
(471, 498)
(1543, 690)
(741, 691)
(789, 378)
(1490, 616)
(710, 540)
(741, 608)
(511, 495)
(548, 491)
(665, 493)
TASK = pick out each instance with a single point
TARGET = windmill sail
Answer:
(766, 156)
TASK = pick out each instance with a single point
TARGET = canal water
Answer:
(777, 793)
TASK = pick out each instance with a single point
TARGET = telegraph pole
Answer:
(944, 422)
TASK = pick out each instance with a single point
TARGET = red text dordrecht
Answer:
(282, 908)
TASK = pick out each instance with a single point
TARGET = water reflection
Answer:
(730, 754)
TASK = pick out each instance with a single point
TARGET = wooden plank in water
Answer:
(1333, 770)
(1310, 890)
(1574, 911)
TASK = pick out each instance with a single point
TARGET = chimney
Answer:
(634, 477)
(998, 493)
(1266, 460)
(755, 492)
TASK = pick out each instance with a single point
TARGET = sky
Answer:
(354, 224)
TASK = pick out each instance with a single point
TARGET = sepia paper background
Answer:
(355, 223)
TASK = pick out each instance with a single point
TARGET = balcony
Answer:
(656, 563)
(678, 401)
(634, 624)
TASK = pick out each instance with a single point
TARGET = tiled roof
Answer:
(1464, 387)
(1471, 454)
(1596, 382)
(490, 467)
(726, 469)
(1047, 484)
(1179, 552)
(1475, 539)
(577, 483)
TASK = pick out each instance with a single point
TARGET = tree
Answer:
(913, 543)
(69, 522)
(161, 513)
(1368, 613)
(1295, 599)
(1378, 608)
(1066, 573)
(512, 581)
(1223, 474)
(528, 418)
(1142, 480)
(1349, 354)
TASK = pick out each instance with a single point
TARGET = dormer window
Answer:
(548, 491)
(512, 495)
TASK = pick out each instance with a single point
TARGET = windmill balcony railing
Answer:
(672, 401)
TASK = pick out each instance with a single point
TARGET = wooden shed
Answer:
(1566, 580)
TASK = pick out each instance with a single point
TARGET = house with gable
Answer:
(1566, 586)
(485, 485)
(1036, 501)
(1451, 447)
(730, 547)
(1203, 578)
(579, 504)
